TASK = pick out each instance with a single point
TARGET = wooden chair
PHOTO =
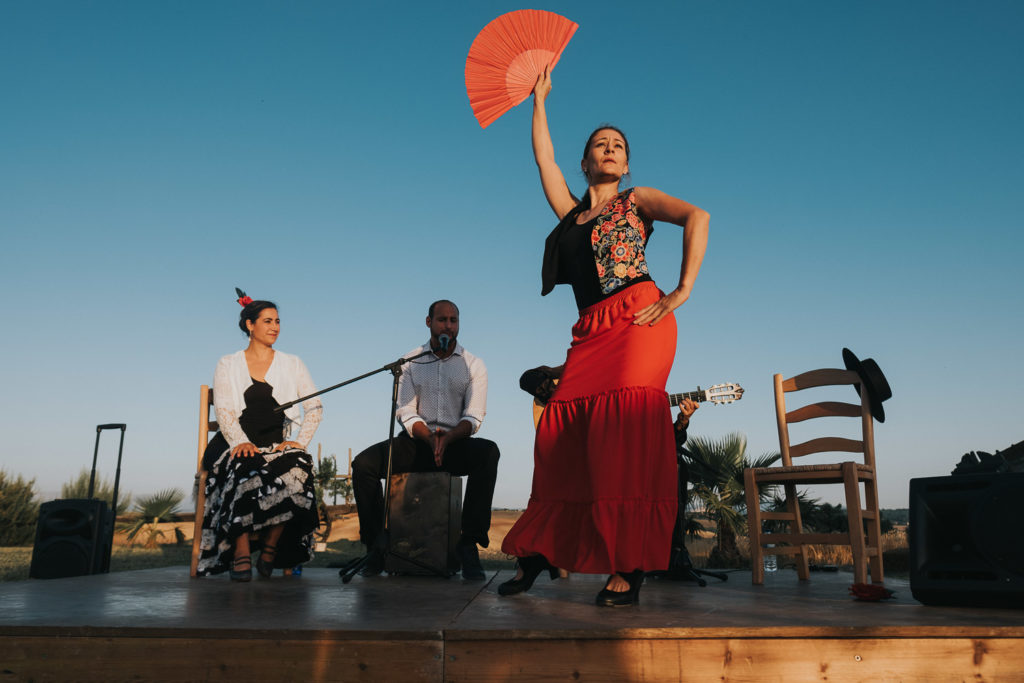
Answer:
(206, 426)
(864, 545)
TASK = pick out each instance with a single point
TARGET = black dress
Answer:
(247, 495)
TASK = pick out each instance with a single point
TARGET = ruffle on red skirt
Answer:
(604, 486)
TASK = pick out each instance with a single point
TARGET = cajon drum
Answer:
(425, 522)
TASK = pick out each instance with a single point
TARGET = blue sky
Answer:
(859, 162)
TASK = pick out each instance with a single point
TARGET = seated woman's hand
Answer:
(285, 445)
(244, 450)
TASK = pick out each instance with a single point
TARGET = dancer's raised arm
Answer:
(555, 188)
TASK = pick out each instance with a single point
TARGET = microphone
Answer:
(444, 340)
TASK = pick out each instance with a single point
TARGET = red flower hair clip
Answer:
(243, 298)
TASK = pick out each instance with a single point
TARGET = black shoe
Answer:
(472, 570)
(532, 566)
(245, 573)
(266, 567)
(374, 564)
(610, 598)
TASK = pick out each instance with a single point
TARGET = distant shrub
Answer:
(326, 482)
(102, 490)
(18, 510)
(151, 510)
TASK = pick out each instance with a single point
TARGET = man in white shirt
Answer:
(442, 399)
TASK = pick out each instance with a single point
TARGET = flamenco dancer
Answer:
(259, 492)
(604, 483)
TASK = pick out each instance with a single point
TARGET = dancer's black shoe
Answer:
(531, 567)
(610, 598)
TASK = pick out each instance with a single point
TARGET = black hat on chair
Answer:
(871, 376)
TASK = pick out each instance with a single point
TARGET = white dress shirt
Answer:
(442, 393)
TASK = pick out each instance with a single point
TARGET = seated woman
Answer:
(259, 488)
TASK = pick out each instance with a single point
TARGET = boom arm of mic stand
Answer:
(390, 367)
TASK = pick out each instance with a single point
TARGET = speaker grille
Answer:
(72, 539)
(998, 528)
(967, 539)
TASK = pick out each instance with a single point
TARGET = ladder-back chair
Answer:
(864, 543)
(206, 426)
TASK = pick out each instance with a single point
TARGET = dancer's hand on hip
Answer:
(650, 315)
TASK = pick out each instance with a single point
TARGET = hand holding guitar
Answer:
(686, 410)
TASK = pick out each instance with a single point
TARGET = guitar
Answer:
(719, 394)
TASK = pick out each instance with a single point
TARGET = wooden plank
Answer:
(784, 631)
(808, 477)
(736, 660)
(806, 539)
(823, 409)
(826, 444)
(779, 549)
(780, 421)
(820, 378)
(216, 659)
(856, 523)
(811, 477)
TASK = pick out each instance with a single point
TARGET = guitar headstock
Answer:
(724, 393)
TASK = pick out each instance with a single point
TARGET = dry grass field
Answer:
(173, 542)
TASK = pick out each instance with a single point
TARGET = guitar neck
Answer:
(697, 396)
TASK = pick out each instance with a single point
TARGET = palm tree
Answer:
(159, 507)
(716, 472)
(816, 516)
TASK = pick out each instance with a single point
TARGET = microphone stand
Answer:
(382, 544)
(680, 565)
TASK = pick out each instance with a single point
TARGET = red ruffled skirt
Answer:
(604, 479)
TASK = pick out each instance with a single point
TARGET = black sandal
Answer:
(266, 568)
(241, 575)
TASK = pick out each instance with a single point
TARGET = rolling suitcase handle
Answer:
(95, 452)
(112, 513)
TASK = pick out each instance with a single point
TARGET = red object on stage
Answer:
(508, 55)
(868, 592)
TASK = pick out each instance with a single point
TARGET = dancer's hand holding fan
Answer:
(507, 57)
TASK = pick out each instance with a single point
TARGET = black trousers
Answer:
(476, 459)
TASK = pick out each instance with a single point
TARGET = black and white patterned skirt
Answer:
(249, 495)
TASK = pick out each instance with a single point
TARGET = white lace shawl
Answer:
(289, 378)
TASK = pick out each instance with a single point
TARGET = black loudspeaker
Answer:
(73, 538)
(967, 539)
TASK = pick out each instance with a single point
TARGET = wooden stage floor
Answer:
(159, 624)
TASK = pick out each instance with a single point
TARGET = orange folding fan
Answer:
(507, 57)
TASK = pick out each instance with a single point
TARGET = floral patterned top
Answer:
(606, 253)
(619, 237)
